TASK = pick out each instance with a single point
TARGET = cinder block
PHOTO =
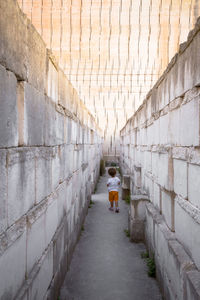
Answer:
(168, 209)
(67, 152)
(36, 237)
(149, 230)
(194, 184)
(21, 182)
(180, 177)
(164, 129)
(76, 209)
(3, 191)
(69, 131)
(162, 94)
(58, 247)
(165, 171)
(138, 156)
(150, 135)
(55, 167)
(70, 155)
(192, 285)
(13, 268)
(63, 158)
(171, 260)
(189, 128)
(194, 56)
(74, 132)
(155, 160)
(55, 127)
(60, 164)
(52, 82)
(51, 219)
(59, 126)
(131, 153)
(163, 255)
(157, 196)
(133, 137)
(76, 184)
(137, 177)
(71, 220)
(147, 161)
(174, 127)
(66, 231)
(80, 161)
(13, 50)
(43, 173)
(63, 89)
(43, 277)
(50, 135)
(8, 109)
(36, 58)
(149, 185)
(34, 116)
(62, 201)
(69, 196)
(187, 229)
(143, 136)
(177, 79)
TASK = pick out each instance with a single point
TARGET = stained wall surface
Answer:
(160, 150)
(50, 149)
(113, 51)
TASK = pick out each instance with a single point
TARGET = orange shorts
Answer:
(113, 196)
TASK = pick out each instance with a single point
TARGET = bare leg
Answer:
(116, 207)
(111, 205)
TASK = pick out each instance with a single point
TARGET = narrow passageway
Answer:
(105, 265)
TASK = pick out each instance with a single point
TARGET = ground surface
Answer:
(105, 265)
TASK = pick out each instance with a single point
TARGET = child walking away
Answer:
(113, 189)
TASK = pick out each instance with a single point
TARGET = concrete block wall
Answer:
(50, 151)
(160, 150)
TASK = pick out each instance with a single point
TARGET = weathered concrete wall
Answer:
(160, 150)
(50, 148)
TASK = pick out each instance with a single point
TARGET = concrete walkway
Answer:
(105, 265)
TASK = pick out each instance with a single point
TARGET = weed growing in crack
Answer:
(91, 203)
(128, 199)
(145, 254)
(127, 232)
(150, 261)
(151, 267)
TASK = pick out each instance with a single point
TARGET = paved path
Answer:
(105, 265)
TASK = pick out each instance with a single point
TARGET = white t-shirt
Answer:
(113, 184)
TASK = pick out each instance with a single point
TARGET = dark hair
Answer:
(112, 172)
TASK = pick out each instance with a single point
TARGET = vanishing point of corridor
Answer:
(105, 264)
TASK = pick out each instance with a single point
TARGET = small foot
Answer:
(117, 210)
(111, 208)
